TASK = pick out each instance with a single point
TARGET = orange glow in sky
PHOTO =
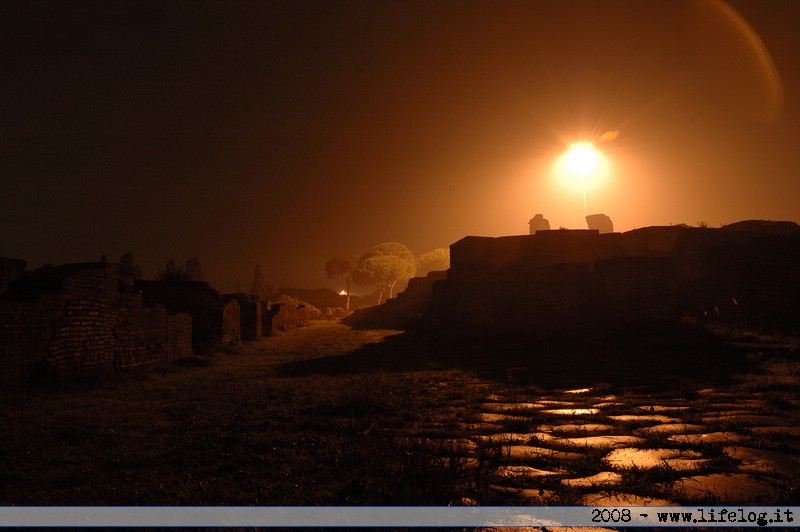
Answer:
(286, 133)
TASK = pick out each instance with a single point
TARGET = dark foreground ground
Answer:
(328, 415)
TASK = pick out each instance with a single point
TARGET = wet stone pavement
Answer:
(630, 447)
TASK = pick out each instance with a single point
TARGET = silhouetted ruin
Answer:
(582, 280)
(600, 222)
(216, 322)
(538, 223)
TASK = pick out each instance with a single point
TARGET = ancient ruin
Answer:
(584, 280)
(79, 320)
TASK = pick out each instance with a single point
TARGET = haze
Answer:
(285, 132)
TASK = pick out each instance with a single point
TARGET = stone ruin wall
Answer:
(86, 329)
(231, 324)
(215, 322)
(284, 316)
(653, 275)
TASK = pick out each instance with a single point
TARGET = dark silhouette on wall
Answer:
(600, 222)
(538, 223)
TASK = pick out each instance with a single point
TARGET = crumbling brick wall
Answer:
(231, 324)
(214, 321)
(70, 321)
(284, 316)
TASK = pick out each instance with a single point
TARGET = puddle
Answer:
(572, 411)
(670, 428)
(764, 461)
(737, 488)
(623, 499)
(604, 478)
(599, 442)
(651, 458)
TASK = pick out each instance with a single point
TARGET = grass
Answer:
(325, 415)
(234, 432)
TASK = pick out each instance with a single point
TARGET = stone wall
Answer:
(284, 316)
(748, 272)
(70, 321)
(215, 322)
(408, 307)
(251, 321)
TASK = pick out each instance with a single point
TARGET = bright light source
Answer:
(581, 158)
(581, 168)
(342, 292)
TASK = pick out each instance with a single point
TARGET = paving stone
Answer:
(623, 499)
(598, 442)
(510, 407)
(651, 458)
(656, 418)
(510, 437)
(576, 427)
(662, 408)
(736, 488)
(572, 411)
(604, 478)
(711, 437)
(784, 430)
(764, 461)
(746, 419)
(499, 418)
(578, 391)
(530, 452)
(518, 472)
(669, 428)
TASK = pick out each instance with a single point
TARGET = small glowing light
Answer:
(343, 292)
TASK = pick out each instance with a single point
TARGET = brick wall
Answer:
(284, 316)
(231, 324)
(72, 322)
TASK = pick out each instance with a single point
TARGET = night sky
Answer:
(286, 132)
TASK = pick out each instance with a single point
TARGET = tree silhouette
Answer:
(384, 266)
(257, 288)
(193, 271)
(127, 266)
(435, 260)
(343, 267)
